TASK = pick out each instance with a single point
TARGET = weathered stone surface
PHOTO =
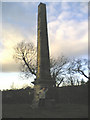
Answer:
(43, 61)
(36, 96)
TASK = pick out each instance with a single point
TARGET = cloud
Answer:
(67, 30)
(65, 6)
(68, 35)
(10, 67)
(69, 38)
(10, 37)
(84, 7)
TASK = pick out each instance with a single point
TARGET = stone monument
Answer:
(43, 60)
(43, 78)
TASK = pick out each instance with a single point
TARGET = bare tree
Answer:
(25, 54)
(78, 66)
(57, 68)
(82, 81)
(62, 69)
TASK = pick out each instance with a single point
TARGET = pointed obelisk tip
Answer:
(42, 3)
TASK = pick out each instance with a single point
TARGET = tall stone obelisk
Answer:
(43, 78)
(43, 60)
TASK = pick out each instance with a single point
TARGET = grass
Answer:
(59, 111)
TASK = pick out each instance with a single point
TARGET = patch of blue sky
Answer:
(19, 15)
(23, 14)
(74, 8)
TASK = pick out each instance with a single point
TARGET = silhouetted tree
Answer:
(82, 81)
(60, 68)
(57, 68)
(26, 54)
(78, 66)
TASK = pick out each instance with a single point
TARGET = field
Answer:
(70, 102)
(59, 111)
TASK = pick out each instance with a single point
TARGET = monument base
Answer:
(43, 83)
(36, 97)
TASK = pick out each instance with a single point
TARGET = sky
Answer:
(67, 32)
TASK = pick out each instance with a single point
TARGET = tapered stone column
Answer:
(43, 60)
(43, 78)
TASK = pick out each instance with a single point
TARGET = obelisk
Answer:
(43, 60)
(43, 78)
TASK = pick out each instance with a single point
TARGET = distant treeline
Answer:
(18, 96)
(67, 94)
